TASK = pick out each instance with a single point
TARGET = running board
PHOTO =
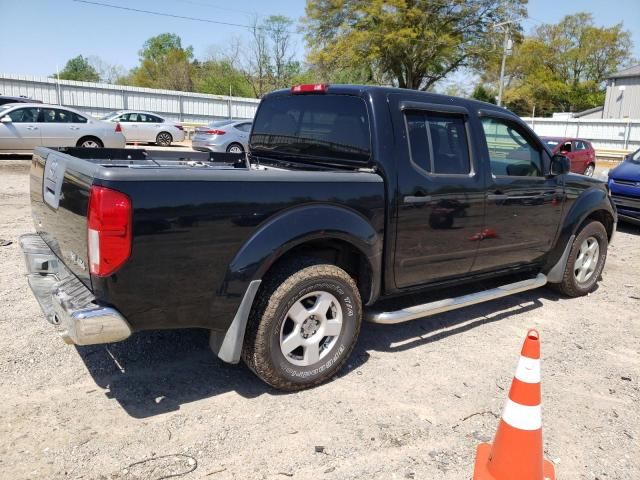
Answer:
(440, 306)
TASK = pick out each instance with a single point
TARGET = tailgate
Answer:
(60, 187)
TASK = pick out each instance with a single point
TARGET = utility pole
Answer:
(506, 50)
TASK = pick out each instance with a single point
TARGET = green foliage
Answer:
(484, 94)
(80, 69)
(563, 66)
(219, 77)
(408, 43)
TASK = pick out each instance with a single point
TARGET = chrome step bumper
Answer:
(66, 301)
(440, 306)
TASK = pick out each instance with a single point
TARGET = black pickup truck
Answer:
(349, 196)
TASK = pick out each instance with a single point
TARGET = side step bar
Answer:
(440, 306)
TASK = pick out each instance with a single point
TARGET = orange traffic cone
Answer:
(516, 452)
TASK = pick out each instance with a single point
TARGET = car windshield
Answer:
(3, 108)
(635, 158)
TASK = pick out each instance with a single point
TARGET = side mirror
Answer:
(560, 165)
(6, 119)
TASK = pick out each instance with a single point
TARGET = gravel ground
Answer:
(414, 402)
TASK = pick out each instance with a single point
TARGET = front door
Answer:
(441, 195)
(524, 205)
(22, 132)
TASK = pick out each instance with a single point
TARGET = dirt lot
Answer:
(414, 402)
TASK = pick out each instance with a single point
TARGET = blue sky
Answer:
(38, 35)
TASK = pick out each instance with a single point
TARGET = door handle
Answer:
(417, 199)
(32, 128)
(74, 128)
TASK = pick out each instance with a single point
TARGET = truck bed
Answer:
(192, 213)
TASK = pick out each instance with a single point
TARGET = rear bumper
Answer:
(207, 146)
(66, 301)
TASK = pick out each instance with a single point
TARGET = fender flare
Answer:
(275, 238)
(588, 202)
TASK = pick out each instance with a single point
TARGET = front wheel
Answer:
(586, 261)
(304, 325)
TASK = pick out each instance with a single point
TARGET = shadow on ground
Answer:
(630, 228)
(156, 372)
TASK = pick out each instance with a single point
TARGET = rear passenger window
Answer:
(438, 142)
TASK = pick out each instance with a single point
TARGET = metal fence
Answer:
(622, 134)
(100, 98)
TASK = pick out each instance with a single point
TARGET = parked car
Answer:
(24, 126)
(281, 255)
(6, 99)
(580, 152)
(222, 136)
(146, 127)
(624, 184)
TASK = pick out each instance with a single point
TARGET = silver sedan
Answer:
(222, 136)
(24, 126)
(147, 127)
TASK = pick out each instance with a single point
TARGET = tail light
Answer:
(310, 88)
(118, 127)
(214, 132)
(109, 228)
(179, 127)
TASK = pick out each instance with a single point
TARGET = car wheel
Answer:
(235, 148)
(164, 139)
(591, 168)
(586, 261)
(90, 142)
(304, 325)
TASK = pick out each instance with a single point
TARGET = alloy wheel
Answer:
(587, 261)
(311, 328)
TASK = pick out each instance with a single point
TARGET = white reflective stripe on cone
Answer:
(528, 370)
(522, 417)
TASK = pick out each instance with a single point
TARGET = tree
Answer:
(277, 30)
(164, 63)
(408, 43)
(220, 77)
(80, 69)
(107, 72)
(563, 66)
(484, 94)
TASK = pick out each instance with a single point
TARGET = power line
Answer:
(163, 14)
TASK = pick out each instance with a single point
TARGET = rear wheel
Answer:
(586, 261)
(589, 171)
(89, 142)
(164, 139)
(235, 148)
(304, 325)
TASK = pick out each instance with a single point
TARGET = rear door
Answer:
(441, 193)
(59, 127)
(130, 126)
(149, 126)
(524, 205)
(23, 132)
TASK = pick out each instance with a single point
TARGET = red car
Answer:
(580, 152)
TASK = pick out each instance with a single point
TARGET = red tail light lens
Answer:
(310, 88)
(215, 132)
(109, 228)
(118, 127)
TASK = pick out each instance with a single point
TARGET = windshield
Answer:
(330, 128)
(3, 108)
(634, 157)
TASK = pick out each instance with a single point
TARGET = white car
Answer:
(146, 127)
(24, 126)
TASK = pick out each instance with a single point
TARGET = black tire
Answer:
(90, 142)
(164, 139)
(235, 145)
(570, 285)
(290, 284)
